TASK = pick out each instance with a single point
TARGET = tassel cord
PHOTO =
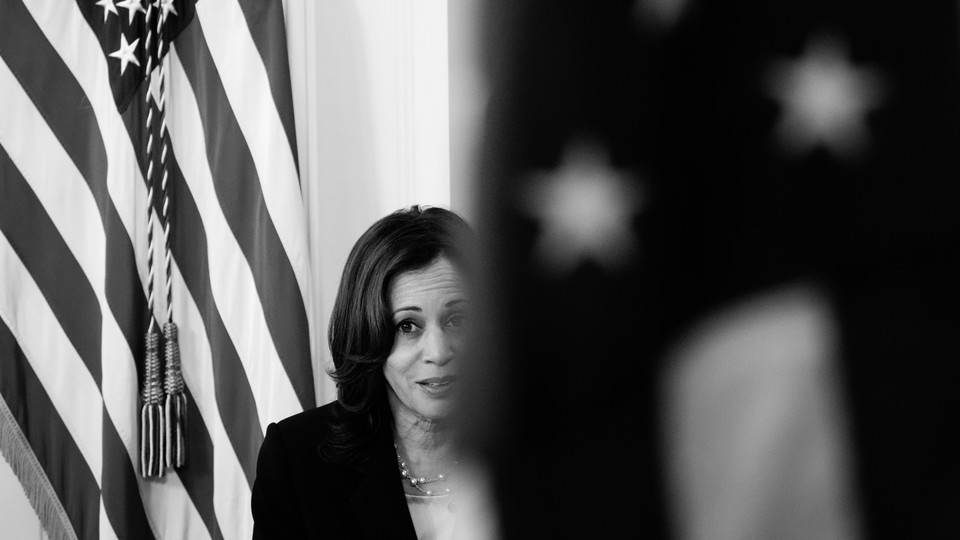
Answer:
(175, 402)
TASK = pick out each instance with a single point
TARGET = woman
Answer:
(378, 462)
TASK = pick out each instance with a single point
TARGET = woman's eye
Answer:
(406, 327)
(457, 321)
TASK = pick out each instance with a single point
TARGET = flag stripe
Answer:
(25, 222)
(227, 474)
(72, 40)
(66, 381)
(65, 280)
(58, 275)
(53, 88)
(238, 188)
(267, 26)
(55, 449)
(121, 495)
(242, 313)
(199, 480)
(235, 401)
(58, 187)
(86, 149)
(246, 85)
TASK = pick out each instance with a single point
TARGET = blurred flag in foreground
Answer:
(78, 290)
(721, 246)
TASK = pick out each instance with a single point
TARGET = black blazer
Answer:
(298, 494)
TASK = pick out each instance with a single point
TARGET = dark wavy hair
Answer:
(361, 332)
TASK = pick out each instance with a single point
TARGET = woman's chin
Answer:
(434, 412)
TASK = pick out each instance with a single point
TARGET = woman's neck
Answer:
(425, 445)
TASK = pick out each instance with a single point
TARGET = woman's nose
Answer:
(437, 346)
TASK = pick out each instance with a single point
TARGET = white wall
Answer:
(17, 518)
(370, 92)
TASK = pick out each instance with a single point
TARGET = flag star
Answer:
(126, 53)
(167, 7)
(132, 7)
(585, 211)
(824, 100)
(108, 8)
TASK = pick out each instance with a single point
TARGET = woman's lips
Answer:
(437, 386)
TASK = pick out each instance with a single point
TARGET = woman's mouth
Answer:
(437, 386)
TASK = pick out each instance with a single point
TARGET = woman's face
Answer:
(428, 307)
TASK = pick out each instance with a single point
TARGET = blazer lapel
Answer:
(379, 502)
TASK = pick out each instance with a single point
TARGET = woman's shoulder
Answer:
(304, 428)
(310, 418)
(289, 471)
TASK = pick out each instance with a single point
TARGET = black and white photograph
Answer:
(479, 269)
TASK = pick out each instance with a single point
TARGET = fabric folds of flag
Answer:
(722, 247)
(74, 276)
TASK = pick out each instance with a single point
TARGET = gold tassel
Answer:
(176, 403)
(151, 412)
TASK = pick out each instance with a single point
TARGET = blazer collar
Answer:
(378, 501)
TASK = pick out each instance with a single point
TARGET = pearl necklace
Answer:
(418, 481)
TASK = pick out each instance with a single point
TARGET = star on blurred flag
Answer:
(584, 209)
(825, 99)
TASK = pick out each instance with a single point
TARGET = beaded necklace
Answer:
(418, 481)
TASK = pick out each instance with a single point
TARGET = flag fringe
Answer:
(18, 453)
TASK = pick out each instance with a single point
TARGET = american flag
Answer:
(721, 241)
(75, 282)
